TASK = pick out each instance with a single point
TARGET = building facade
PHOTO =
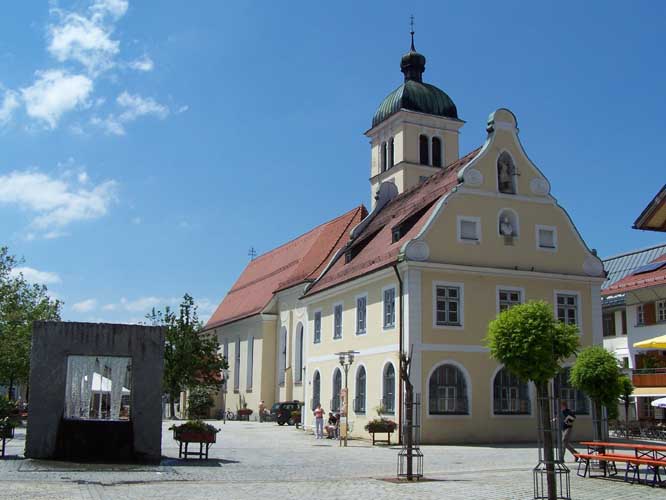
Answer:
(449, 242)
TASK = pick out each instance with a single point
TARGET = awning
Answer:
(649, 392)
(655, 343)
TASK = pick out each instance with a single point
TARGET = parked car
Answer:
(281, 412)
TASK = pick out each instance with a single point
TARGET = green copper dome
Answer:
(414, 95)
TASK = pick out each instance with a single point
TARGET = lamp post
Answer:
(225, 376)
(346, 359)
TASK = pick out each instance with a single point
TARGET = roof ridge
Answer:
(265, 254)
(647, 249)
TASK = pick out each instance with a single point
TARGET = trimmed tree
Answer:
(532, 344)
(597, 373)
(627, 389)
(191, 358)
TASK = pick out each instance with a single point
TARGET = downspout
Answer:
(400, 341)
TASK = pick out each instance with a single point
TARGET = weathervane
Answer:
(411, 32)
(252, 253)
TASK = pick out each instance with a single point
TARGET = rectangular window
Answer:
(337, 321)
(640, 314)
(361, 305)
(448, 305)
(250, 362)
(98, 388)
(546, 237)
(317, 327)
(609, 324)
(237, 366)
(389, 308)
(567, 308)
(509, 298)
(624, 322)
(468, 229)
(661, 310)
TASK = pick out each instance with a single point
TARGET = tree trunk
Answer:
(626, 417)
(10, 390)
(543, 396)
(598, 421)
(172, 407)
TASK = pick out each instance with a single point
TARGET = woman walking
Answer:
(319, 422)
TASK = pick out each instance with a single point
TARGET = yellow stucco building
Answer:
(449, 241)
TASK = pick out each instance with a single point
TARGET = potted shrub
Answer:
(381, 425)
(194, 431)
(244, 413)
(199, 403)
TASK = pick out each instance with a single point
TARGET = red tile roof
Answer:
(637, 281)
(379, 250)
(294, 262)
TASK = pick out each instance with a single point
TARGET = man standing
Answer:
(568, 417)
(262, 410)
(319, 422)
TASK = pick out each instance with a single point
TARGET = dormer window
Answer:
(423, 150)
(506, 174)
(436, 152)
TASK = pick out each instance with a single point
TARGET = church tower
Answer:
(414, 131)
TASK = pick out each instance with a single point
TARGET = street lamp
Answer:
(225, 376)
(346, 359)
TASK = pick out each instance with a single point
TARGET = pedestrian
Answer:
(262, 410)
(319, 422)
(567, 417)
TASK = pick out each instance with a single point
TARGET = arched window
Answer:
(383, 153)
(391, 153)
(282, 357)
(337, 387)
(510, 394)
(423, 150)
(388, 396)
(575, 399)
(436, 152)
(507, 223)
(447, 391)
(506, 174)
(359, 400)
(316, 390)
(298, 375)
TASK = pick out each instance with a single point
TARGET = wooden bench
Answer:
(633, 465)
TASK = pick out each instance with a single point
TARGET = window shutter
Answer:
(468, 230)
(650, 313)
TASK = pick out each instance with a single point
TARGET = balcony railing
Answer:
(649, 377)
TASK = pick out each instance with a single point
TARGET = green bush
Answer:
(194, 426)
(381, 425)
(199, 402)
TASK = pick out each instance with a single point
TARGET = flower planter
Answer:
(194, 432)
(244, 414)
(195, 437)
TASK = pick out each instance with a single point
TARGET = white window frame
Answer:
(537, 229)
(250, 363)
(395, 309)
(531, 391)
(660, 307)
(579, 308)
(461, 309)
(468, 384)
(342, 320)
(316, 339)
(468, 218)
(356, 299)
(500, 288)
(640, 315)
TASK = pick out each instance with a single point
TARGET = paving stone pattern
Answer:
(253, 460)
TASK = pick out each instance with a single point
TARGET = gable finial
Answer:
(411, 24)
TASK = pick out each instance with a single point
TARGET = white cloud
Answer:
(145, 304)
(84, 306)
(137, 220)
(144, 63)
(8, 104)
(116, 8)
(55, 92)
(55, 202)
(85, 40)
(109, 307)
(35, 276)
(182, 109)
(134, 106)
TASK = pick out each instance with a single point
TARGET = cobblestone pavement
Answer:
(252, 460)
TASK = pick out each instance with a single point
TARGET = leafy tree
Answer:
(625, 395)
(191, 358)
(21, 303)
(532, 344)
(199, 402)
(597, 373)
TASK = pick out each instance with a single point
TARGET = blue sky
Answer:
(145, 146)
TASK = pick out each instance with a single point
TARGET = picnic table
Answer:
(650, 455)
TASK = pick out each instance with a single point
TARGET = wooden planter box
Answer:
(184, 438)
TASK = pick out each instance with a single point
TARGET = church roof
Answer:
(374, 248)
(297, 261)
(653, 217)
(416, 96)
